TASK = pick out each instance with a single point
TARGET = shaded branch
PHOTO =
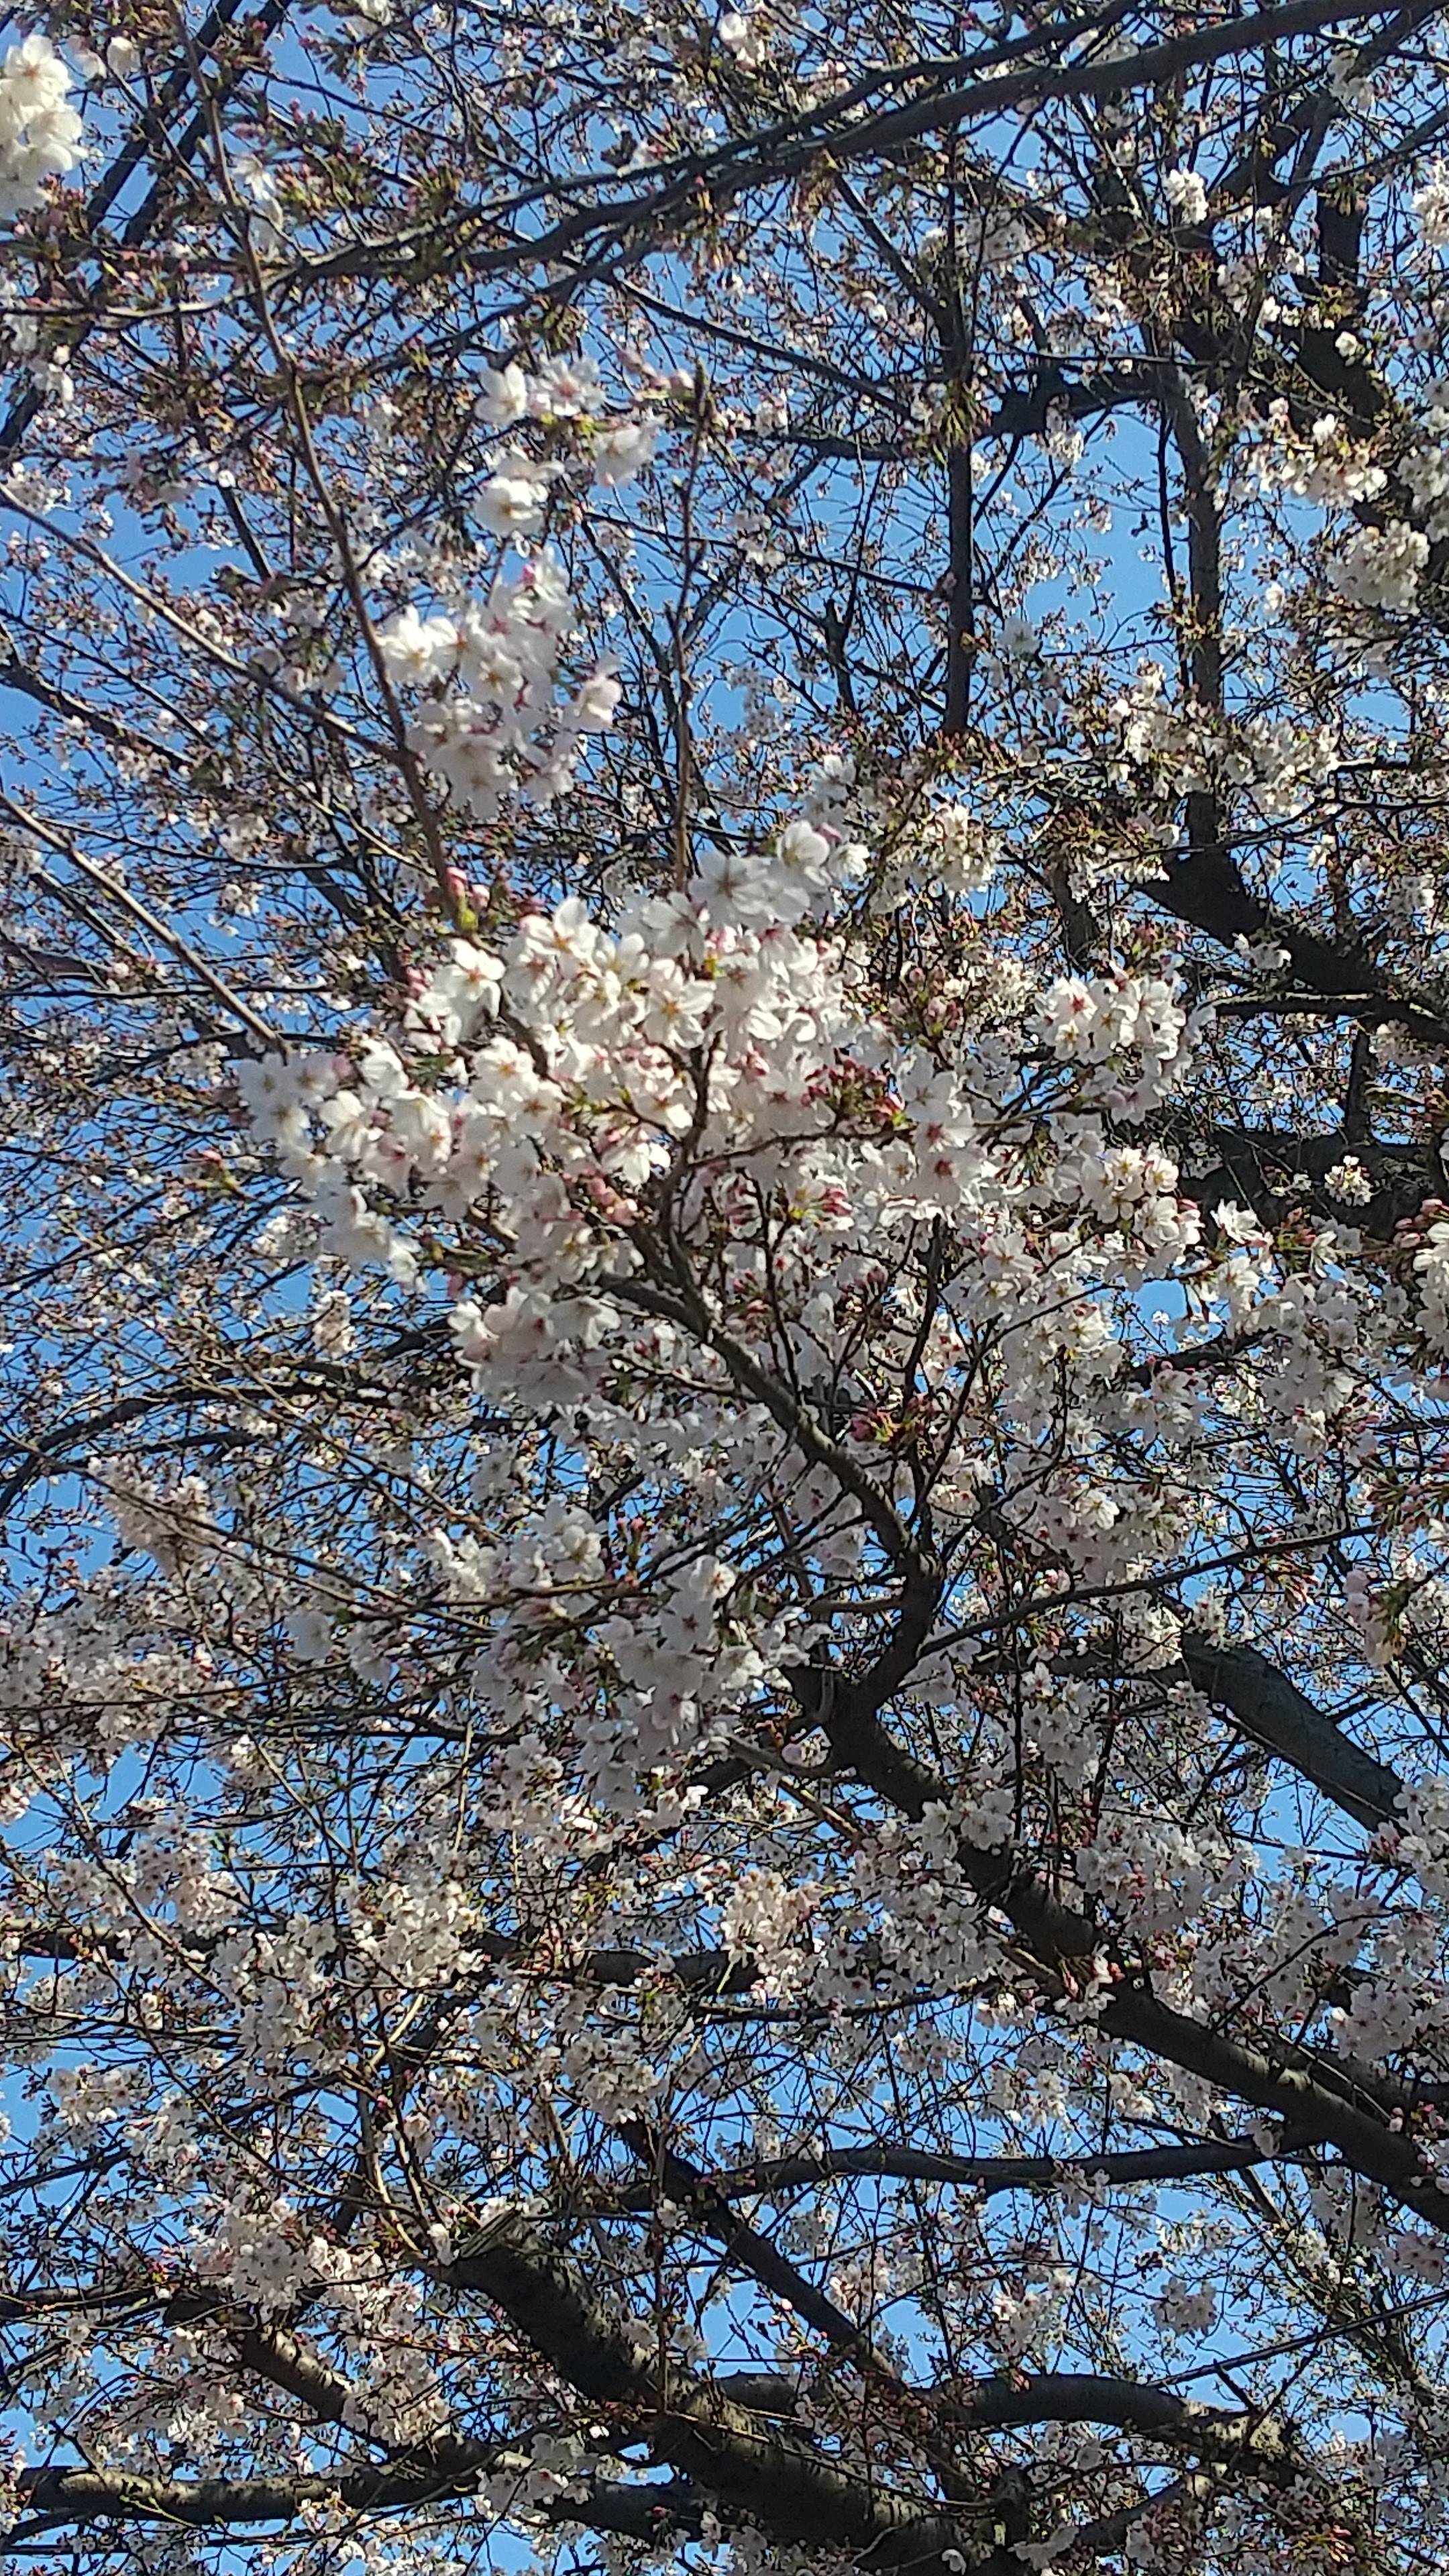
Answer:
(988, 2175)
(1274, 1712)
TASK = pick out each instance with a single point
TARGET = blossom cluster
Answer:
(500, 730)
(1380, 568)
(1431, 207)
(40, 132)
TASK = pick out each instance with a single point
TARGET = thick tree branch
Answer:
(987, 2175)
(1274, 1712)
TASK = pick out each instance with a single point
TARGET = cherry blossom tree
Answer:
(726, 1426)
